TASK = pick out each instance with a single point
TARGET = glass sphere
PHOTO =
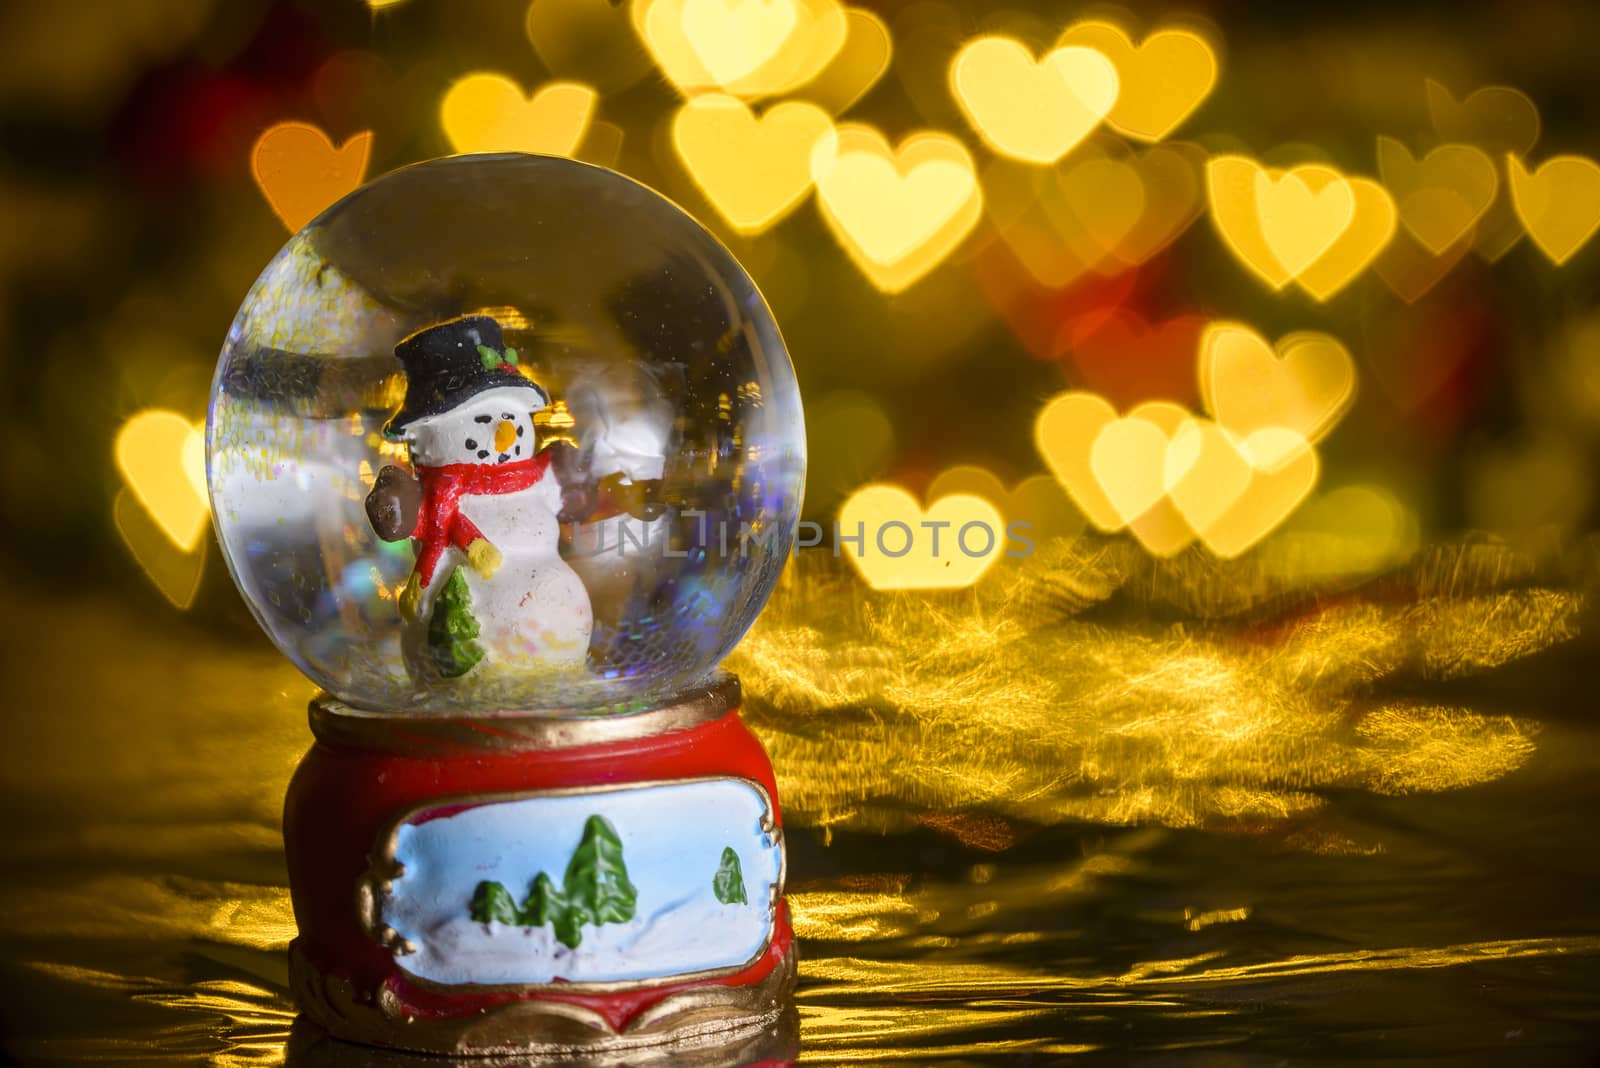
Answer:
(505, 432)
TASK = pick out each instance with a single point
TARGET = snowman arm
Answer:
(428, 555)
(463, 532)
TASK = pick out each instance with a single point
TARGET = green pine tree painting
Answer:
(493, 903)
(452, 629)
(728, 883)
(595, 890)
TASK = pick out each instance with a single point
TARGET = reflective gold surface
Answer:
(1031, 698)
(1096, 809)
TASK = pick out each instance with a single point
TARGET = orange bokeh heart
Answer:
(300, 172)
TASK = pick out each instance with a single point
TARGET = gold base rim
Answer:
(696, 1019)
(415, 734)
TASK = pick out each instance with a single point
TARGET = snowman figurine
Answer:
(489, 594)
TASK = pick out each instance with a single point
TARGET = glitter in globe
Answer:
(505, 432)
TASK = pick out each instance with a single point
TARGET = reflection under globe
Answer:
(597, 468)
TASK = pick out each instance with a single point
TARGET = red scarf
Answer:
(439, 522)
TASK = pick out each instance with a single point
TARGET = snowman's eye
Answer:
(484, 419)
(471, 444)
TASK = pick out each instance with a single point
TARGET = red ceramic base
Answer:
(369, 774)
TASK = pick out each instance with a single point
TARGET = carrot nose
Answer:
(505, 435)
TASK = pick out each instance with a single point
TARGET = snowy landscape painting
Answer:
(589, 887)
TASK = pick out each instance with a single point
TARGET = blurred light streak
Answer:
(1000, 700)
(153, 907)
(1195, 920)
(834, 974)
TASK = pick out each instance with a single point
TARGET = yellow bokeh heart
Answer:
(897, 213)
(1234, 490)
(300, 172)
(1128, 459)
(587, 40)
(1205, 474)
(1497, 118)
(1304, 386)
(1161, 81)
(1499, 230)
(1036, 110)
(748, 48)
(486, 112)
(1064, 432)
(1170, 177)
(1367, 236)
(754, 171)
(1113, 469)
(1160, 528)
(1411, 270)
(1105, 198)
(1024, 206)
(734, 39)
(1283, 471)
(860, 62)
(1037, 501)
(1170, 477)
(1443, 195)
(1299, 219)
(1103, 208)
(173, 571)
(904, 547)
(1308, 222)
(161, 456)
(1559, 203)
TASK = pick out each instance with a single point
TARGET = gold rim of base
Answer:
(700, 1018)
(416, 734)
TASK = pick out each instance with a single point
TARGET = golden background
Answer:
(1280, 748)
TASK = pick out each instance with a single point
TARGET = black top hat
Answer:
(454, 362)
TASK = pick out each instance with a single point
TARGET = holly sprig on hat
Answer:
(493, 360)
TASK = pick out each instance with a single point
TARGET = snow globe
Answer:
(506, 453)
